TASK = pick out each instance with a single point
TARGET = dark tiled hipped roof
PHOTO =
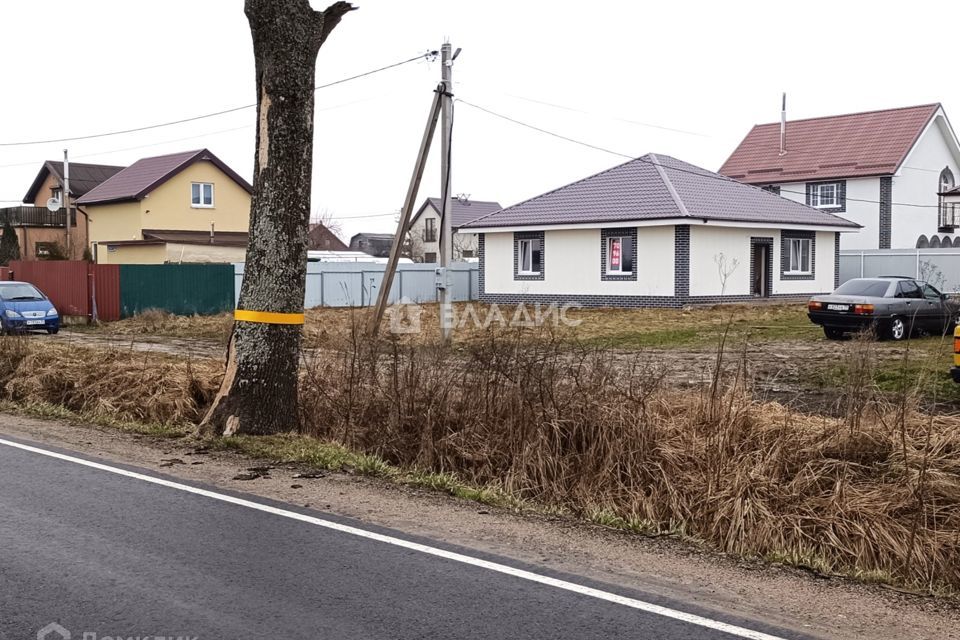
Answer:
(462, 211)
(655, 187)
(145, 175)
(857, 144)
(83, 177)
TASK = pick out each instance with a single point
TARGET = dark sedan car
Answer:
(894, 307)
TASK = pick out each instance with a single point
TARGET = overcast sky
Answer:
(686, 79)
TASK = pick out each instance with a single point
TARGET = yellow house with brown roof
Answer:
(182, 207)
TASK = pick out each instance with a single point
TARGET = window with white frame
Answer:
(825, 195)
(798, 256)
(201, 194)
(530, 257)
(620, 255)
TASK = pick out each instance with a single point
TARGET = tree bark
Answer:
(259, 393)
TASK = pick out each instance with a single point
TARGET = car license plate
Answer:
(34, 322)
(838, 307)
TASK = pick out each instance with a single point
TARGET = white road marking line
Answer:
(666, 612)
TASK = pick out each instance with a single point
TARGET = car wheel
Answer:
(53, 331)
(832, 333)
(897, 329)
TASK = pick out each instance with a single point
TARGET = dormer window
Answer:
(201, 195)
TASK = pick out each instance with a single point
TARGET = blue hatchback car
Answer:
(23, 307)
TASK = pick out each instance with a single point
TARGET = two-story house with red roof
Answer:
(882, 169)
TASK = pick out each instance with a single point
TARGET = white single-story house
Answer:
(657, 232)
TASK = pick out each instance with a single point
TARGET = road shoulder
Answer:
(779, 596)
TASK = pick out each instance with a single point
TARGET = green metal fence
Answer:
(183, 289)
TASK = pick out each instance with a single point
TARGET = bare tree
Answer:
(725, 268)
(412, 247)
(327, 218)
(259, 390)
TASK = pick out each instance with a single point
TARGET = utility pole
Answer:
(446, 232)
(408, 203)
(66, 196)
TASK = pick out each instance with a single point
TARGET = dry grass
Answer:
(624, 328)
(595, 432)
(116, 384)
(156, 322)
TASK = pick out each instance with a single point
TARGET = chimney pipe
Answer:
(783, 125)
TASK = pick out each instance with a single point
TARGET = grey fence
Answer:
(357, 284)
(939, 267)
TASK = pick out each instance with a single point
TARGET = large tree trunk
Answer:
(259, 390)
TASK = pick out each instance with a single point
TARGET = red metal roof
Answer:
(871, 143)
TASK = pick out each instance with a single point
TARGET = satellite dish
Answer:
(53, 204)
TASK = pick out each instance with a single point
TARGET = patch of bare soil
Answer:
(822, 607)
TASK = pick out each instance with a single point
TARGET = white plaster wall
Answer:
(461, 241)
(572, 264)
(823, 267)
(708, 242)
(918, 183)
(416, 235)
(863, 207)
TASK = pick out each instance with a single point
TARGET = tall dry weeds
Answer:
(592, 430)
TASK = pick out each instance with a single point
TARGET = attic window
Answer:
(201, 194)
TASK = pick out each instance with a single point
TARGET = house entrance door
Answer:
(761, 268)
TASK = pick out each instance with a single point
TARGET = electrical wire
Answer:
(617, 118)
(215, 113)
(703, 174)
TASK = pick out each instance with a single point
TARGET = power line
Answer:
(704, 174)
(617, 118)
(171, 141)
(215, 113)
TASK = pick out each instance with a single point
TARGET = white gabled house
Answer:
(424, 229)
(882, 169)
(657, 232)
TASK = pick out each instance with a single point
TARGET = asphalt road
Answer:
(121, 552)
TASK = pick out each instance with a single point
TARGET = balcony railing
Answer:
(36, 217)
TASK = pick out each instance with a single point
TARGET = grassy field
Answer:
(619, 328)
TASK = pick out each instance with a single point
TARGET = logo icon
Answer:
(404, 316)
(53, 631)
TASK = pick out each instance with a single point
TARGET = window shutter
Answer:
(810, 192)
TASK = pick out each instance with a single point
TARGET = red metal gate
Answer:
(74, 285)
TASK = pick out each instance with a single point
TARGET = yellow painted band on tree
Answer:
(268, 317)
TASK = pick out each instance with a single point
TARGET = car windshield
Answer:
(872, 288)
(20, 292)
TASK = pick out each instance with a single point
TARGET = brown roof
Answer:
(871, 143)
(145, 175)
(220, 238)
(657, 187)
(83, 177)
(320, 238)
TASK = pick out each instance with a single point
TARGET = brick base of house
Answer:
(634, 302)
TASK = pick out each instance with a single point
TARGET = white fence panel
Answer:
(357, 284)
(939, 267)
